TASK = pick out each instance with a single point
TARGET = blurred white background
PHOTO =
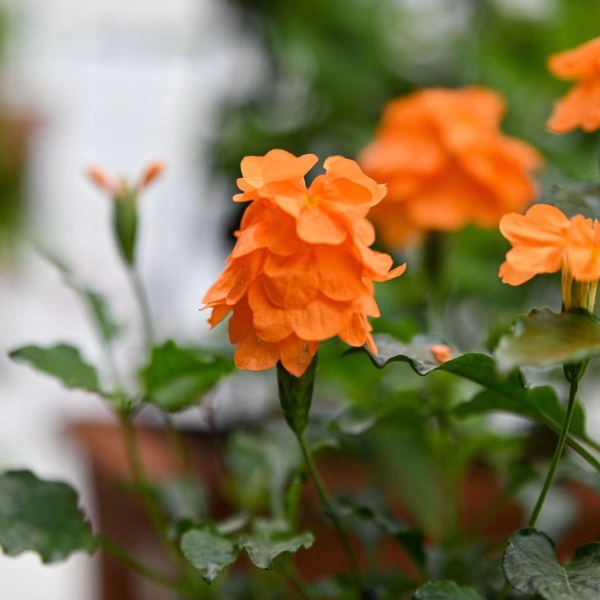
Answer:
(117, 84)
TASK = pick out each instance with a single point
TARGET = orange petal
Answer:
(269, 321)
(253, 354)
(339, 273)
(296, 354)
(317, 227)
(320, 320)
(579, 63)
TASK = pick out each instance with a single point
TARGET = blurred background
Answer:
(199, 84)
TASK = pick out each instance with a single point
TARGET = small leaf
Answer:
(408, 539)
(41, 516)
(545, 339)
(263, 547)
(208, 551)
(531, 567)
(177, 377)
(96, 303)
(577, 199)
(62, 362)
(446, 590)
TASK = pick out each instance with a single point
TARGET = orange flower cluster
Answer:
(446, 164)
(581, 106)
(544, 241)
(301, 270)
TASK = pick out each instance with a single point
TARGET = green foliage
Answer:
(295, 395)
(63, 362)
(177, 377)
(41, 516)
(270, 540)
(446, 590)
(208, 550)
(546, 339)
(531, 567)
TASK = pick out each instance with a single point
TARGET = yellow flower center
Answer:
(577, 294)
(312, 201)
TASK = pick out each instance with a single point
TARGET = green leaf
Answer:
(107, 327)
(270, 540)
(295, 395)
(408, 539)
(531, 567)
(62, 362)
(545, 339)
(577, 199)
(446, 590)
(178, 377)
(208, 551)
(41, 516)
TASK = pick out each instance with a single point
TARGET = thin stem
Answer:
(147, 571)
(142, 299)
(574, 382)
(142, 486)
(178, 443)
(330, 511)
(295, 582)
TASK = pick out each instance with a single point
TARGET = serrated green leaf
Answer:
(531, 567)
(105, 323)
(62, 362)
(208, 551)
(546, 339)
(263, 547)
(446, 590)
(41, 516)
(178, 377)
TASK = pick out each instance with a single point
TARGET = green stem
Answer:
(295, 582)
(143, 487)
(150, 572)
(144, 304)
(330, 511)
(574, 382)
(178, 443)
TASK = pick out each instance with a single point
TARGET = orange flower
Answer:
(581, 106)
(302, 270)
(544, 241)
(446, 164)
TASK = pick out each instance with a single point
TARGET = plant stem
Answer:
(178, 443)
(147, 571)
(574, 382)
(295, 582)
(143, 488)
(330, 512)
(144, 304)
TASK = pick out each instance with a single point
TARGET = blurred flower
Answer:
(119, 188)
(544, 240)
(301, 270)
(447, 164)
(581, 106)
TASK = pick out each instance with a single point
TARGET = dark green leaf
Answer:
(41, 516)
(208, 551)
(410, 540)
(531, 567)
(177, 377)
(577, 199)
(62, 362)
(270, 540)
(446, 590)
(295, 395)
(96, 303)
(545, 339)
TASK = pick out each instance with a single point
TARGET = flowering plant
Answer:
(385, 478)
